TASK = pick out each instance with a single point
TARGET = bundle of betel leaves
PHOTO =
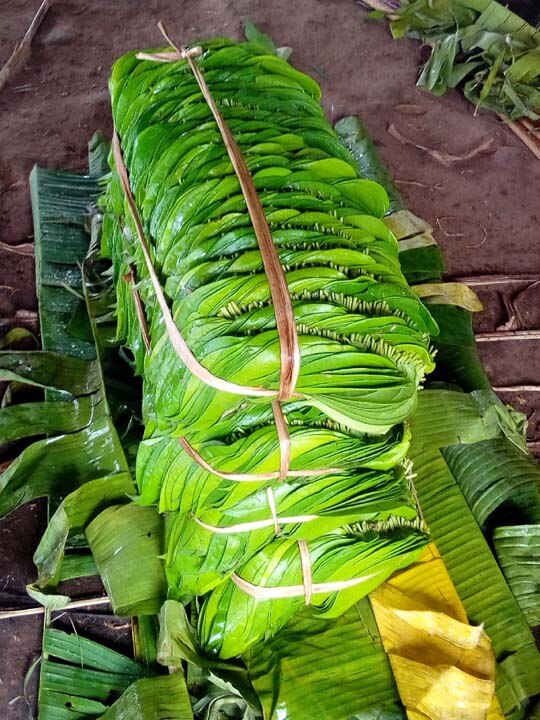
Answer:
(271, 502)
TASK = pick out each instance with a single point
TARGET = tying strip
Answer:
(141, 317)
(284, 441)
(286, 327)
(259, 592)
(273, 510)
(179, 344)
(306, 570)
(250, 477)
(255, 524)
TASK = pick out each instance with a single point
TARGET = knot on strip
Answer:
(169, 56)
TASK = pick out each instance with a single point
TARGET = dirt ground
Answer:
(485, 210)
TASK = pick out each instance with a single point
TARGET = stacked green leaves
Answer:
(363, 338)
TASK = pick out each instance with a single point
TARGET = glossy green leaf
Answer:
(158, 698)
(363, 337)
(127, 544)
(338, 667)
(518, 552)
(72, 516)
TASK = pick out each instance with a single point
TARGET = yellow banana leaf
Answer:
(449, 293)
(444, 668)
(410, 230)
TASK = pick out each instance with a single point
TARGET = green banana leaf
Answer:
(79, 677)
(157, 698)
(127, 545)
(355, 136)
(518, 552)
(338, 667)
(497, 479)
(71, 518)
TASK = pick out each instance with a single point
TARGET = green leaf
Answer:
(338, 667)
(79, 650)
(457, 357)
(56, 465)
(50, 371)
(71, 517)
(159, 698)
(496, 479)
(354, 135)
(254, 35)
(123, 539)
(518, 553)
(82, 678)
(178, 643)
(481, 42)
(29, 419)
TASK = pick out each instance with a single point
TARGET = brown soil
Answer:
(485, 210)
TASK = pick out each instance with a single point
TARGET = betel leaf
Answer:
(254, 35)
(363, 337)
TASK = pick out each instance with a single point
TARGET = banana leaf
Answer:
(497, 480)
(60, 203)
(438, 659)
(71, 517)
(337, 666)
(157, 698)
(127, 544)
(80, 677)
(355, 136)
(518, 552)
(76, 438)
(444, 419)
(501, 498)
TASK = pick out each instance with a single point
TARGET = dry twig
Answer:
(21, 53)
(447, 159)
(40, 610)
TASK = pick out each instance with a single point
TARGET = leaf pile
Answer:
(363, 336)
(479, 45)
